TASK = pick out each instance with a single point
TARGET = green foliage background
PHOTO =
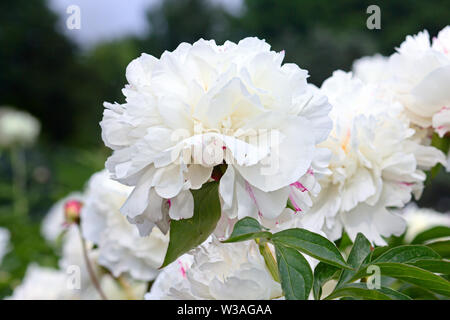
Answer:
(43, 72)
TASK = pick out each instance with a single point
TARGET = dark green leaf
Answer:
(360, 291)
(417, 293)
(360, 250)
(295, 273)
(344, 242)
(441, 247)
(247, 229)
(433, 265)
(378, 252)
(430, 234)
(187, 234)
(311, 244)
(407, 254)
(416, 276)
(322, 273)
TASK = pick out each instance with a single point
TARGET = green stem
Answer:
(270, 261)
(19, 170)
(90, 270)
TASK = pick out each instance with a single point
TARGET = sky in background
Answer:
(103, 20)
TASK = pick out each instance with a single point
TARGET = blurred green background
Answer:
(47, 74)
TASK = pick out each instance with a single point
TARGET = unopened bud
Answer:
(72, 210)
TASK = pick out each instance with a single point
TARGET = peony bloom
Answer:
(419, 77)
(41, 283)
(421, 219)
(371, 69)
(59, 284)
(374, 164)
(204, 105)
(217, 271)
(4, 243)
(120, 248)
(17, 127)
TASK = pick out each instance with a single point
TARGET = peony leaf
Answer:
(407, 254)
(431, 234)
(246, 229)
(360, 251)
(416, 276)
(295, 273)
(187, 234)
(311, 244)
(361, 291)
(322, 273)
(433, 265)
(441, 247)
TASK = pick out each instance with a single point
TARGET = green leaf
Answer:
(311, 244)
(416, 276)
(378, 251)
(295, 273)
(407, 254)
(247, 229)
(187, 234)
(360, 291)
(417, 293)
(322, 273)
(433, 265)
(431, 234)
(360, 250)
(441, 247)
(344, 242)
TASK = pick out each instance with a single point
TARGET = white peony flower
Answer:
(120, 248)
(72, 256)
(441, 43)
(4, 242)
(171, 283)
(217, 271)
(42, 283)
(17, 127)
(441, 121)
(203, 105)
(371, 69)
(374, 164)
(419, 77)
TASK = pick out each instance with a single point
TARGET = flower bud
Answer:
(72, 210)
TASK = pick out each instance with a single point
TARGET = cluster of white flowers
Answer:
(418, 77)
(118, 247)
(348, 156)
(376, 163)
(17, 127)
